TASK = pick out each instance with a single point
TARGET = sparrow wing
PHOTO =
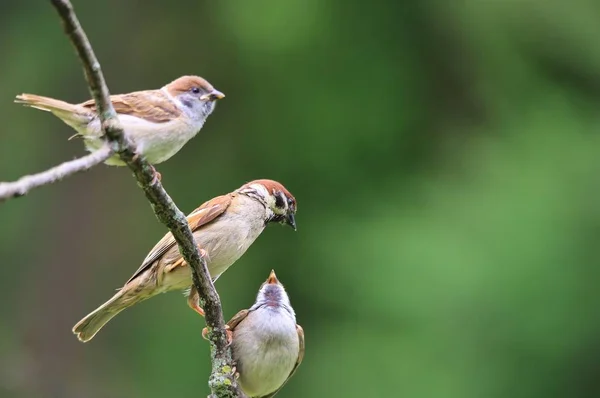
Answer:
(298, 361)
(237, 318)
(203, 215)
(301, 350)
(154, 106)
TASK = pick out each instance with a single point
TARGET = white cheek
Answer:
(262, 191)
(209, 107)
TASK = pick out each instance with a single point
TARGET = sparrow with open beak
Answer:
(266, 342)
(224, 228)
(159, 122)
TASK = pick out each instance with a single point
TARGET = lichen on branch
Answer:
(222, 381)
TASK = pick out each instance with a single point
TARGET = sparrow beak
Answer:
(213, 96)
(291, 220)
(272, 279)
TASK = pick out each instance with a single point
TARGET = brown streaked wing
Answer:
(237, 318)
(153, 106)
(298, 361)
(203, 215)
(215, 207)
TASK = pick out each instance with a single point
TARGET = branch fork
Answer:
(222, 381)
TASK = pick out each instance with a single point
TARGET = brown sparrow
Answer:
(224, 228)
(159, 122)
(266, 342)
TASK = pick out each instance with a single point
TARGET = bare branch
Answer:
(222, 383)
(26, 183)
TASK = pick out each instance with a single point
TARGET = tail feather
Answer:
(69, 113)
(44, 103)
(87, 328)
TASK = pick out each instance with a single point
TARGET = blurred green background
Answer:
(444, 156)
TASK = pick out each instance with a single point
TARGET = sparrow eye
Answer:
(195, 90)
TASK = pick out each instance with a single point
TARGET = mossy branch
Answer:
(222, 381)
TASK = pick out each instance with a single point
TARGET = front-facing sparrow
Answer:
(159, 122)
(266, 343)
(224, 228)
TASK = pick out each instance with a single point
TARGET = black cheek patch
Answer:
(279, 202)
(187, 103)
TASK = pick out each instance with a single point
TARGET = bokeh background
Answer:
(445, 157)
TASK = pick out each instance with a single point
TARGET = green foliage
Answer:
(444, 157)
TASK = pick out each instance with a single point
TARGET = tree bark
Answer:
(222, 382)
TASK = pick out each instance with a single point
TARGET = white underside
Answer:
(265, 348)
(224, 240)
(157, 141)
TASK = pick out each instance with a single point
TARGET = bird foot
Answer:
(197, 308)
(229, 335)
(157, 177)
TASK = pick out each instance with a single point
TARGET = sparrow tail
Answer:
(69, 113)
(87, 328)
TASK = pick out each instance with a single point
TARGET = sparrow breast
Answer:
(225, 241)
(265, 348)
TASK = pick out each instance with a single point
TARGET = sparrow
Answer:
(159, 122)
(266, 343)
(224, 228)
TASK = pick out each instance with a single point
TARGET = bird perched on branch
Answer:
(224, 228)
(266, 342)
(159, 122)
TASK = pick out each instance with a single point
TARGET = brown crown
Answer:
(186, 83)
(273, 186)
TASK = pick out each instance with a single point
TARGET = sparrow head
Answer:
(272, 295)
(279, 202)
(197, 96)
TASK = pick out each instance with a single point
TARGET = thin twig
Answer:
(26, 183)
(222, 381)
